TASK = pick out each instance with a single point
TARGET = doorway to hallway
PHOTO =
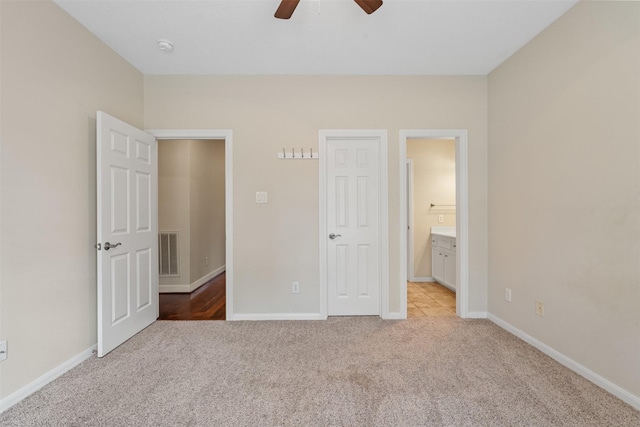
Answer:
(227, 136)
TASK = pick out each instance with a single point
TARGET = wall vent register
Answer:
(168, 253)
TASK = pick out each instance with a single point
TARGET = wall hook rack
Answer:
(297, 155)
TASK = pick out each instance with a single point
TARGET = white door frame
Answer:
(409, 229)
(383, 204)
(227, 135)
(462, 213)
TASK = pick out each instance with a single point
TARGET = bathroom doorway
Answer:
(436, 211)
(431, 221)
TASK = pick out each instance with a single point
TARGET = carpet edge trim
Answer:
(277, 316)
(394, 315)
(45, 379)
(596, 379)
(477, 315)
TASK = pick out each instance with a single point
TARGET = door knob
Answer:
(108, 245)
(334, 236)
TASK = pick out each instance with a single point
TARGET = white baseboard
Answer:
(423, 280)
(297, 316)
(204, 279)
(174, 289)
(451, 288)
(477, 315)
(188, 288)
(277, 316)
(45, 379)
(598, 380)
(394, 315)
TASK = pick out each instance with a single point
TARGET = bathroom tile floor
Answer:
(430, 299)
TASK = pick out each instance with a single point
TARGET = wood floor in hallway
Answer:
(428, 299)
(208, 302)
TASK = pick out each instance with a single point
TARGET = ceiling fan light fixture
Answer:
(286, 8)
(369, 6)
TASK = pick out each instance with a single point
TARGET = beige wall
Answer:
(207, 227)
(277, 243)
(55, 75)
(434, 181)
(564, 180)
(173, 202)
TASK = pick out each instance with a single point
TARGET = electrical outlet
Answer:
(295, 287)
(3, 351)
(440, 218)
(206, 261)
(539, 308)
(261, 197)
(507, 294)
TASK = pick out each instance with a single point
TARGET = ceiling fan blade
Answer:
(286, 8)
(369, 6)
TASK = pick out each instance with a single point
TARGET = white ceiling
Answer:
(446, 37)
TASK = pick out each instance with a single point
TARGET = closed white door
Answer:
(352, 224)
(127, 230)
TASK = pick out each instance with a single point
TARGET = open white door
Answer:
(127, 177)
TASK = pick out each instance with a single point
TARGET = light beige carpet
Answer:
(340, 372)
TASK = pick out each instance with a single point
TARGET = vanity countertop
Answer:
(446, 231)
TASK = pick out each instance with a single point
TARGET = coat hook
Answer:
(293, 153)
(302, 153)
(284, 155)
(311, 150)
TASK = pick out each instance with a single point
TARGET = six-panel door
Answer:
(353, 216)
(127, 220)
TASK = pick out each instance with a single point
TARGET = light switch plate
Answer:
(539, 308)
(261, 197)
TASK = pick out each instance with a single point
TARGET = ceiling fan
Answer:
(286, 8)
